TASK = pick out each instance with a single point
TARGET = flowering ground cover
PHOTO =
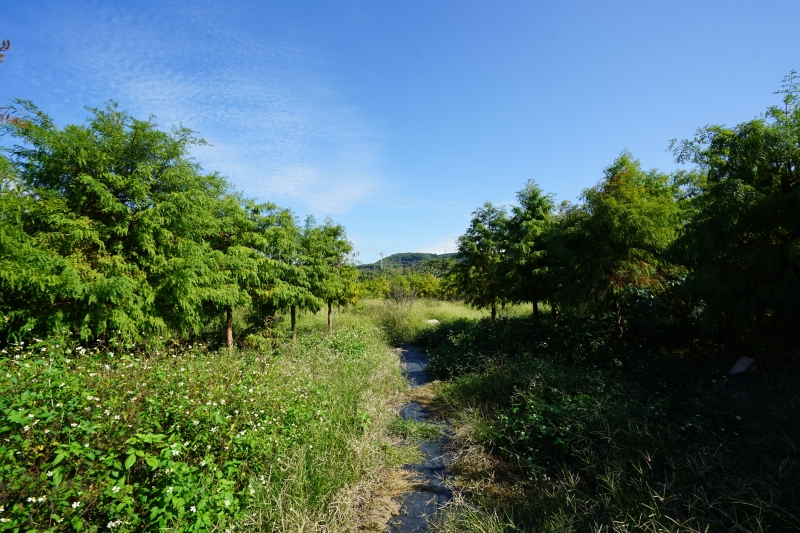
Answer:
(187, 438)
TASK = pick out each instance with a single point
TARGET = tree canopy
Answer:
(111, 228)
(742, 242)
(480, 259)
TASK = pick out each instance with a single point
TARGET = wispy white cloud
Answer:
(277, 126)
(446, 245)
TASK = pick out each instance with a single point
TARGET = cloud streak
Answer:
(277, 127)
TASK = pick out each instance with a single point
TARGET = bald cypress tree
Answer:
(743, 240)
(480, 270)
(114, 219)
(529, 275)
(617, 238)
(328, 251)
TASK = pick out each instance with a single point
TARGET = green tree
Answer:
(290, 270)
(401, 291)
(616, 240)
(333, 275)
(242, 239)
(528, 273)
(425, 284)
(743, 242)
(479, 270)
(108, 228)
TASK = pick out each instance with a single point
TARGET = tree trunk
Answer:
(330, 317)
(494, 312)
(553, 310)
(229, 329)
(294, 323)
(619, 318)
(536, 314)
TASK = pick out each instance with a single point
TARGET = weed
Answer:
(415, 431)
(548, 441)
(187, 438)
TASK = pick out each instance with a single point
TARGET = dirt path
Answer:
(431, 493)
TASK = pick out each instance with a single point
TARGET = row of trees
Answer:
(432, 278)
(110, 228)
(724, 236)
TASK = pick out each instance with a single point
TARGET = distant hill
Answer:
(403, 260)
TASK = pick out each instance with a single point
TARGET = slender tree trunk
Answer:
(330, 317)
(619, 318)
(294, 323)
(494, 312)
(536, 314)
(229, 329)
(553, 310)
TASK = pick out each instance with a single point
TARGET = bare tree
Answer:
(5, 45)
(5, 114)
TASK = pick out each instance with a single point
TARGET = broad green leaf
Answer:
(60, 457)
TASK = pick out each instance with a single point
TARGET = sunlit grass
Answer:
(189, 438)
(406, 322)
(414, 430)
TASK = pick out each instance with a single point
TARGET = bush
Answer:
(630, 442)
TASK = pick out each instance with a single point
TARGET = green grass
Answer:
(548, 441)
(405, 323)
(415, 431)
(188, 439)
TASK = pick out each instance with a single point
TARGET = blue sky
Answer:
(398, 119)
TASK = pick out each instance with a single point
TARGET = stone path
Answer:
(418, 506)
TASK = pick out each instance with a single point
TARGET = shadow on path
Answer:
(418, 506)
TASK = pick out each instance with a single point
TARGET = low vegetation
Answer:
(548, 440)
(189, 438)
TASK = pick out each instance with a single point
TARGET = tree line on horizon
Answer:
(720, 243)
(111, 229)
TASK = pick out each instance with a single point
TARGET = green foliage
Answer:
(328, 255)
(481, 253)
(654, 446)
(528, 272)
(425, 284)
(620, 234)
(719, 242)
(439, 267)
(404, 260)
(374, 287)
(185, 439)
(742, 242)
(94, 212)
(431, 278)
(110, 229)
